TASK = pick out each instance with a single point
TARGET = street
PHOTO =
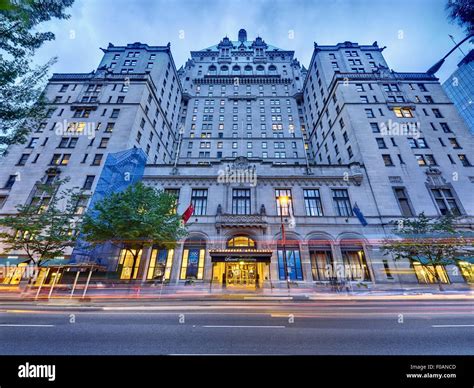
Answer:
(339, 327)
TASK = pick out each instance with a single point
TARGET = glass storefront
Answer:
(426, 273)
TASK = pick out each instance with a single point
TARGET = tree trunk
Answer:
(135, 258)
(440, 284)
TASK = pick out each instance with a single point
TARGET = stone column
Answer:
(306, 264)
(176, 264)
(144, 262)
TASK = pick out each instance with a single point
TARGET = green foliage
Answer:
(135, 216)
(22, 104)
(462, 12)
(43, 230)
(427, 241)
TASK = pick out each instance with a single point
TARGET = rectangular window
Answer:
(97, 159)
(375, 127)
(23, 159)
(426, 273)
(322, 265)
(342, 203)
(192, 266)
(369, 113)
(312, 202)
(403, 201)
(88, 182)
(445, 201)
(241, 201)
(160, 264)
(403, 112)
(355, 264)
(290, 257)
(445, 127)
(10, 182)
(387, 159)
(464, 160)
(284, 202)
(199, 201)
(381, 142)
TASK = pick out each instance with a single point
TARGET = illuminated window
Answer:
(403, 112)
(426, 273)
(355, 264)
(192, 266)
(322, 265)
(467, 270)
(160, 264)
(241, 242)
(127, 267)
(284, 201)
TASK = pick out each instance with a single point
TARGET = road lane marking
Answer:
(23, 325)
(452, 325)
(245, 326)
(268, 298)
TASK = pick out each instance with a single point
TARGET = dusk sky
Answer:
(416, 32)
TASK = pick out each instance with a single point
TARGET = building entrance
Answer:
(241, 274)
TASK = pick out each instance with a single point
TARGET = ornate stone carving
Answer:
(240, 220)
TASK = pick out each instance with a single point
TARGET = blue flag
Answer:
(359, 215)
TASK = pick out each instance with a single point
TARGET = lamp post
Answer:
(283, 200)
(433, 69)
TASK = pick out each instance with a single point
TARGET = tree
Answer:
(462, 12)
(43, 229)
(137, 217)
(22, 103)
(429, 242)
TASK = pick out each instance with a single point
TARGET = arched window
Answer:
(260, 69)
(236, 69)
(272, 69)
(225, 69)
(212, 69)
(241, 242)
(248, 69)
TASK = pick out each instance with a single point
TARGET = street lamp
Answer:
(283, 200)
(433, 69)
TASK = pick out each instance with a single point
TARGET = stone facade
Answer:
(255, 141)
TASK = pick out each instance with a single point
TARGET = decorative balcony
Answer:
(241, 221)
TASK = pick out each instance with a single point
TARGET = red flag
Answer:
(188, 213)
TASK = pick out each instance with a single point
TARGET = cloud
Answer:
(95, 23)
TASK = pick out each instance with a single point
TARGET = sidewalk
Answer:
(199, 292)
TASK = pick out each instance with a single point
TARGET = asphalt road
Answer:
(241, 327)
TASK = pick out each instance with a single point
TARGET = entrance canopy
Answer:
(236, 255)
